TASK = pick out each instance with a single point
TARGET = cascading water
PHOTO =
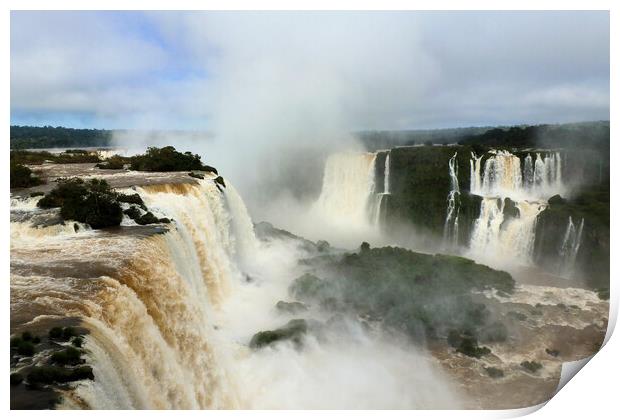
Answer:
(348, 188)
(169, 315)
(570, 247)
(528, 186)
(502, 176)
(451, 225)
(378, 212)
(386, 177)
(497, 238)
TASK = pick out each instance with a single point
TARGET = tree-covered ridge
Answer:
(29, 137)
(592, 135)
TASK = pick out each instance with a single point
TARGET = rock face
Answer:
(292, 331)
(420, 184)
(583, 247)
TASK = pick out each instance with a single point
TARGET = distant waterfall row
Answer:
(504, 176)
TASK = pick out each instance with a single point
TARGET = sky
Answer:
(283, 73)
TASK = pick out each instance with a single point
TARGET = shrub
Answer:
(68, 356)
(55, 333)
(494, 372)
(51, 374)
(469, 347)
(77, 341)
(91, 202)
(167, 159)
(22, 177)
(531, 366)
(25, 348)
(27, 336)
(114, 162)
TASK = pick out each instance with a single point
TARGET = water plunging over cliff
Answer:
(528, 186)
(503, 176)
(451, 225)
(348, 188)
(496, 237)
(170, 311)
(570, 247)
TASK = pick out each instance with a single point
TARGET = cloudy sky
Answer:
(307, 71)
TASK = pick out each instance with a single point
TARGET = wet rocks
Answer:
(293, 331)
(291, 307)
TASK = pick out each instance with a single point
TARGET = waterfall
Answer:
(348, 193)
(570, 247)
(169, 314)
(386, 177)
(528, 186)
(474, 174)
(451, 225)
(150, 301)
(496, 238)
(503, 176)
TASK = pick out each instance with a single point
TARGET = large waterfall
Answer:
(348, 188)
(169, 313)
(502, 179)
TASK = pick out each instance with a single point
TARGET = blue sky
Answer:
(285, 73)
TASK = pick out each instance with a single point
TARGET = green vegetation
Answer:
(293, 331)
(494, 373)
(26, 157)
(22, 347)
(424, 296)
(167, 159)
(22, 177)
(56, 374)
(92, 202)
(27, 137)
(68, 356)
(57, 333)
(531, 366)
(114, 162)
